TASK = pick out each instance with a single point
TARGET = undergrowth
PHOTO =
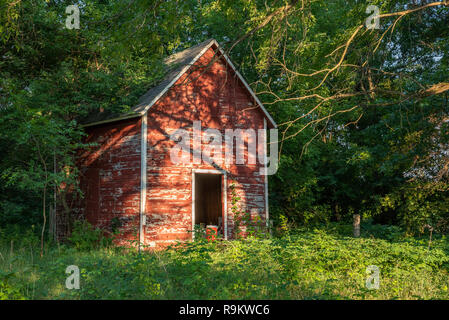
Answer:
(324, 263)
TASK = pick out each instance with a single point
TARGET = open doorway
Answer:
(208, 199)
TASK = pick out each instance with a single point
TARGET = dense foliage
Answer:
(322, 263)
(361, 135)
(364, 124)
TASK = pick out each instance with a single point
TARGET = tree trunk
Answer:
(45, 220)
(66, 212)
(337, 212)
(356, 225)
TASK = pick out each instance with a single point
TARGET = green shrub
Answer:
(420, 205)
(244, 224)
(321, 263)
(85, 237)
(8, 292)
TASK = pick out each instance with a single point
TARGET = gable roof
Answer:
(178, 64)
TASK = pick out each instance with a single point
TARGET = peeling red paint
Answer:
(110, 176)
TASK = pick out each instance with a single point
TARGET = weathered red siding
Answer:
(215, 96)
(110, 177)
(110, 172)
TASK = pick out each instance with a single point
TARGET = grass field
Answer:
(324, 263)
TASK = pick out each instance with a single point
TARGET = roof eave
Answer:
(124, 117)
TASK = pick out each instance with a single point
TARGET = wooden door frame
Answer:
(224, 182)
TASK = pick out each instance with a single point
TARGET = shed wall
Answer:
(110, 171)
(110, 178)
(214, 95)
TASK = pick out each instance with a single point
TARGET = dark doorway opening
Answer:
(208, 206)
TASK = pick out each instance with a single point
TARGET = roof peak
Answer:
(178, 55)
(177, 64)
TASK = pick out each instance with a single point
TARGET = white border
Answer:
(267, 215)
(143, 179)
(224, 197)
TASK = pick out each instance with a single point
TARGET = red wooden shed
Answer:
(130, 180)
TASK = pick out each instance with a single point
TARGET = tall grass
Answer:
(307, 264)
